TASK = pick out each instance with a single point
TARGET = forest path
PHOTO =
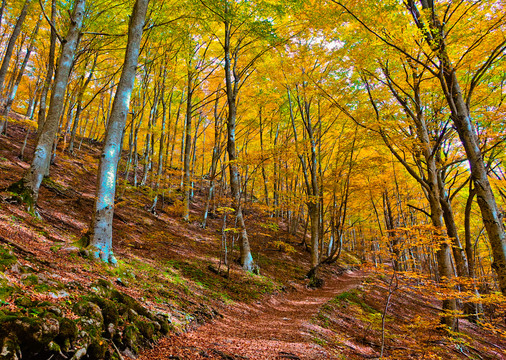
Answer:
(279, 327)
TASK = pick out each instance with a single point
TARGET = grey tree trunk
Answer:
(12, 42)
(49, 75)
(310, 179)
(484, 193)
(428, 180)
(32, 102)
(451, 228)
(79, 108)
(29, 186)
(232, 88)
(264, 176)
(187, 144)
(214, 161)
(101, 224)
(2, 8)
(160, 145)
(19, 77)
(467, 134)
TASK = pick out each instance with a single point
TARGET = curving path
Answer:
(278, 328)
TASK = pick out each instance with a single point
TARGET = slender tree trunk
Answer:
(32, 102)
(194, 156)
(79, 108)
(19, 77)
(310, 177)
(264, 176)
(175, 130)
(50, 70)
(2, 8)
(101, 224)
(214, 161)
(12, 42)
(451, 228)
(187, 146)
(29, 186)
(160, 145)
(232, 88)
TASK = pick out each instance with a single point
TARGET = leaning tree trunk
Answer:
(467, 134)
(484, 193)
(101, 224)
(28, 187)
(2, 8)
(12, 42)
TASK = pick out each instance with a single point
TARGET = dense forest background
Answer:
(370, 130)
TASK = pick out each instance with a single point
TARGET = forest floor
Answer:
(171, 267)
(278, 327)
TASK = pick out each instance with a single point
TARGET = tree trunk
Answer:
(451, 228)
(262, 151)
(101, 224)
(30, 184)
(214, 161)
(159, 170)
(187, 146)
(19, 77)
(232, 84)
(484, 193)
(32, 102)
(12, 42)
(467, 134)
(79, 109)
(49, 75)
(2, 8)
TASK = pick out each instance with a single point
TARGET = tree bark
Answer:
(467, 133)
(79, 108)
(101, 224)
(232, 88)
(12, 42)
(29, 186)
(2, 8)
(41, 119)
(187, 144)
(19, 77)
(214, 160)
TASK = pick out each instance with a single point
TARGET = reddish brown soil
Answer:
(279, 327)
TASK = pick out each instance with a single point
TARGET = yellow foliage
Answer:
(282, 246)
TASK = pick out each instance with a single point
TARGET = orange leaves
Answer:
(424, 235)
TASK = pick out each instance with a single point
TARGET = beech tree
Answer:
(433, 31)
(28, 187)
(101, 224)
(12, 42)
(237, 38)
(41, 119)
(19, 76)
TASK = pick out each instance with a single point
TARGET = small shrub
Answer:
(282, 246)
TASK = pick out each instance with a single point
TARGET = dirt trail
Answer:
(277, 328)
